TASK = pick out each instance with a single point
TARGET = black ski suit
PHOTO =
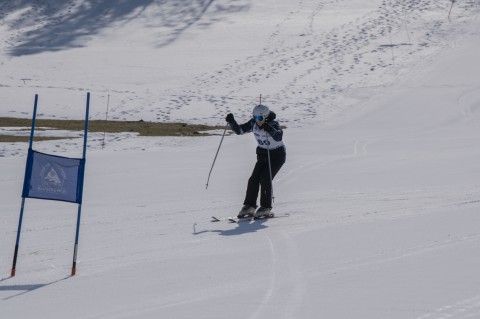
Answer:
(269, 138)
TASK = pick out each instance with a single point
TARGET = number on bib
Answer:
(263, 142)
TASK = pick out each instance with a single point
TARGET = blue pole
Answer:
(77, 234)
(86, 127)
(15, 254)
(75, 248)
(20, 221)
(32, 131)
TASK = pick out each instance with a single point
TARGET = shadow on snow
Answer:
(51, 25)
(26, 288)
(242, 228)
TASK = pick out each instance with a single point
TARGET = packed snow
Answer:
(380, 100)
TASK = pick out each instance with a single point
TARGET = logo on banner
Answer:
(52, 179)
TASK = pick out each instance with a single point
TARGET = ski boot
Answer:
(263, 212)
(246, 211)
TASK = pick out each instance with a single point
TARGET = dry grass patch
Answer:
(141, 127)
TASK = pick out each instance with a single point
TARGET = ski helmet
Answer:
(261, 110)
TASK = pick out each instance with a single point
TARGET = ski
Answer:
(230, 219)
(239, 220)
(271, 215)
(219, 219)
(233, 219)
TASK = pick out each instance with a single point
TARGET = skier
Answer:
(271, 155)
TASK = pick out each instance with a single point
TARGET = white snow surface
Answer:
(381, 99)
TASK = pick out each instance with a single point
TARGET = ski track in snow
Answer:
(468, 308)
(391, 256)
(340, 58)
(284, 271)
(469, 103)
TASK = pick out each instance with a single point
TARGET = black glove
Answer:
(229, 118)
(268, 128)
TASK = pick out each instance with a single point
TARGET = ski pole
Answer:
(270, 167)
(218, 150)
(453, 2)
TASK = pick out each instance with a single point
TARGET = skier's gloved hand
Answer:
(268, 128)
(229, 118)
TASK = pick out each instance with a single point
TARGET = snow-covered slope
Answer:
(381, 101)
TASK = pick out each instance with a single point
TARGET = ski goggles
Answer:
(259, 118)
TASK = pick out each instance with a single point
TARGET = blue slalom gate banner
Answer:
(53, 177)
